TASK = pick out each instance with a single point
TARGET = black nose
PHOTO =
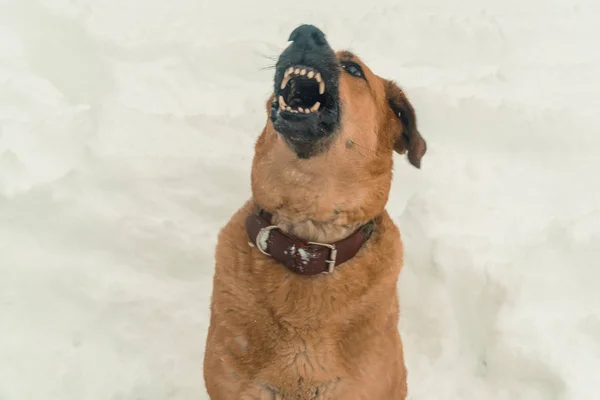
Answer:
(308, 37)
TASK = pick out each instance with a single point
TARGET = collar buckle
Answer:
(332, 255)
(262, 237)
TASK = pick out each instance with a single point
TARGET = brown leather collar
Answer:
(304, 258)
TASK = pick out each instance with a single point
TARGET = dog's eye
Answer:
(353, 69)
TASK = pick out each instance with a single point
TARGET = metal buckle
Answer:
(332, 254)
(259, 238)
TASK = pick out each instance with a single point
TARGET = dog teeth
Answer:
(299, 110)
(285, 81)
(297, 71)
(302, 72)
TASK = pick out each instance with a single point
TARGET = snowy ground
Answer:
(126, 134)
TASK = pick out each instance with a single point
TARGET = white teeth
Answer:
(298, 110)
(311, 74)
(285, 81)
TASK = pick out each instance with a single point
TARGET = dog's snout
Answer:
(305, 108)
(308, 37)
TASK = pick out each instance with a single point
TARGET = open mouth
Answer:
(306, 109)
(302, 90)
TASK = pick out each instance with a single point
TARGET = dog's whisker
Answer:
(271, 58)
(352, 143)
(268, 67)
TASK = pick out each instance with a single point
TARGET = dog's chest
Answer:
(303, 391)
(302, 369)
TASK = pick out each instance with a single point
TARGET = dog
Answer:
(304, 302)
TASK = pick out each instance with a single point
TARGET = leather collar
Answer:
(300, 257)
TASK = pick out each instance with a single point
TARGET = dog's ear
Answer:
(407, 139)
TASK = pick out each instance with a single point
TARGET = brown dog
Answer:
(295, 319)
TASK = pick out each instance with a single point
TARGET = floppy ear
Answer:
(408, 137)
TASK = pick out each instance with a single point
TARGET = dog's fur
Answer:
(277, 335)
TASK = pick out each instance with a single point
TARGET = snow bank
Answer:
(126, 135)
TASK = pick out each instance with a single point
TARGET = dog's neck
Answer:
(315, 231)
(323, 199)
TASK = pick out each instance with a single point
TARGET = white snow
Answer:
(291, 250)
(263, 241)
(126, 136)
(304, 255)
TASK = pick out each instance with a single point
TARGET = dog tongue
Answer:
(302, 91)
(292, 99)
(295, 102)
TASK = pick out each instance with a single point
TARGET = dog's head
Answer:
(326, 151)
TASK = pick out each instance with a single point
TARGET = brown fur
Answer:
(276, 335)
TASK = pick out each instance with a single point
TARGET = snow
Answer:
(263, 240)
(126, 137)
(304, 256)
